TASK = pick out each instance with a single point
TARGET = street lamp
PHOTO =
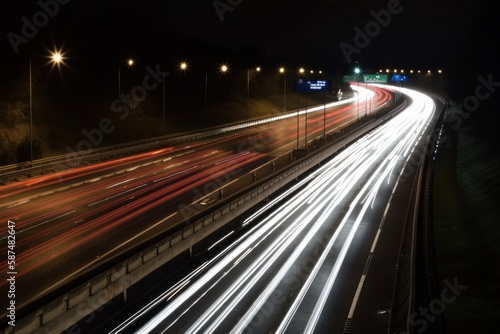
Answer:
(301, 71)
(283, 71)
(130, 63)
(248, 89)
(183, 67)
(222, 69)
(357, 71)
(56, 58)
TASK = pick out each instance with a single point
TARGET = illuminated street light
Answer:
(222, 69)
(357, 71)
(183, 67)
(248, 89)
(130, 63)
(283, 71)
(56, 59)
(301, 71)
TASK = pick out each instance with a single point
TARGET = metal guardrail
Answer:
(39, 166)
(405, 287)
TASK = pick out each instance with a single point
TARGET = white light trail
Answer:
(345, 187)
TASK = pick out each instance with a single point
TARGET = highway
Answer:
(74, 221)
(320, 258)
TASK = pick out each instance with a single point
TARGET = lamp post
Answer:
(31, 116)
(357, 71)
(440, 73)
(130, 63)
(206, 89)
(183, 67)
(283, 71)
(301, 71)
(56, 58)
(223, 69)
(163, 103)
(248, 89)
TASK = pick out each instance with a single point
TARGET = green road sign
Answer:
(375, 78)
(352, 78)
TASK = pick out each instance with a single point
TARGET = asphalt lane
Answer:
(298, 269)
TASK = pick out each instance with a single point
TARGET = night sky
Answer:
(415, 33)
(95, 36)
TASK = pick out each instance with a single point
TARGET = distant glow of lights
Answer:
(130, 62)
(282, 70)
(183, 66)
(258, 69)
(224, 68)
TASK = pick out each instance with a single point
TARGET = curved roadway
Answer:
(321, 261)
(68, 222)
